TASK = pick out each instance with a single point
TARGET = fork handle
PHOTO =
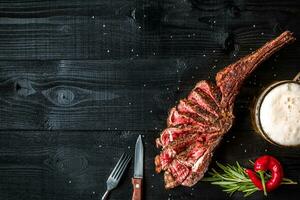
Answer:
(137, 188)
(104, 197)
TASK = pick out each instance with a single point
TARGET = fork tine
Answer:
(119, 174)
(117, 165)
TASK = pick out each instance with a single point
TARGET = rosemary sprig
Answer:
(234, 179)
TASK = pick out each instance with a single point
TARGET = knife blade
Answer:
(138, 169)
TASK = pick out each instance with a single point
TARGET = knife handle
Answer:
(137, 188)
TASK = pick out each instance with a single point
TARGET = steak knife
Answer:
(137, 179)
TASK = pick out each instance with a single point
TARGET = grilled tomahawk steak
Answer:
(197, 124)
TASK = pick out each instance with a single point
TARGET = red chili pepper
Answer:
(253, 177)
(261, 165)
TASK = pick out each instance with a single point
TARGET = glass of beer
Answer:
(276, 112)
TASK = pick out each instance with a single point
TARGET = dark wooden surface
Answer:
(79, 80)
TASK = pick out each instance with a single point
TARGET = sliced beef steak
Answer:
(197, 124)
(168, 154)
(204, 102)
(197, 110)
(179, 171)
(177, 118)
(172, 133)
(194, 152)
(209, 89)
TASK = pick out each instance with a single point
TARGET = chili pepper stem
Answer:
(262, 177)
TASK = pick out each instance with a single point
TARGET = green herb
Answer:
(233, 178)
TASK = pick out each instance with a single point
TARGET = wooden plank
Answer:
(45, 8)
(123, 29)
(109, 95)
(74, 165)
(94, 95)
(89, 95)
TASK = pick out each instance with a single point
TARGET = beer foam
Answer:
(280, 114)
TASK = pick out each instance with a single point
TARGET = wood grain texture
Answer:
(139, 29)
(79, 80)
(89, 95)
(98, 95)
(74, 165)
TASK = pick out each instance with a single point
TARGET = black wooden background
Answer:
(79, 80)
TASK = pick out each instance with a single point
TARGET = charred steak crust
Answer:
(197, 124)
